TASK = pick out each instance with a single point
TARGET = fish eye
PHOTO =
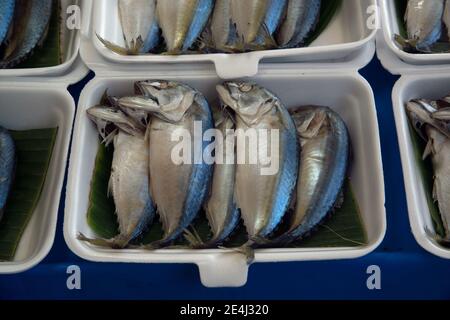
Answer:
(246, 87)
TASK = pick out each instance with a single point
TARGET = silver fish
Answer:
(420, 113)
(221, 209)
(30, 27)
(108, 119)
(323, 167)
(139, 25)
(257, 20)
(301, 19)
(424, 23)
(6, 16)
(138, 19)
(7, 166)
(222, 30)
(182, 22)
(263, 197)
(179, 186)
(441, 115)
(446, 17)
(431, 125)
(439, 149)
(129, 182)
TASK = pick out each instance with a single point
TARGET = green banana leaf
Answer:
(426, 171)
(400, 6)
(343, 229)
(328, 10)
(48, 55)
(34, 150)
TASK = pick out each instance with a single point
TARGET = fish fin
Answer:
(428, 150)
(407, 45)
(442, 241)
(105, 99)
(195, 241)
(110, 137)
(435, 191)
(116, 243)
(113, 47)
(246, 249)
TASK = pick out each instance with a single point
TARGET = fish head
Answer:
(108, 119)
(167, 100)
(249, 101)
(311, 120)
(419, 112)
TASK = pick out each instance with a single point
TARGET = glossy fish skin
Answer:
(7, 166)
(323, 168)
(224, 35)
(6, 16)
(129, 180)
(263, 199)
(424, 23)
(221, 208)
(182, 22)
(138, 19)
(109, 119)
(178, 189)
(30, 28)
(129, 186)
(420, 113)
(249, 16)
(446, 17)
(301, 18)
(273, 18)
(435, 133)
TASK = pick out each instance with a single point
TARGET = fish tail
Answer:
(246, 249)
(195, 241)
(116, 243)
(113, 47)
(444, 241)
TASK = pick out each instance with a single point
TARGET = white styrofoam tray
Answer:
(348, 32)
(71, 47)
(390, 27)
(346, 92)
(429, 86)
(27, 105)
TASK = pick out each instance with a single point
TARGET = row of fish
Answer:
(7, 167)
(214, 25)
(313, 157)
(427, 26)
(431, 120)
(24, 26)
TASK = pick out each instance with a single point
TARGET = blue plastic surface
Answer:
(407, 271)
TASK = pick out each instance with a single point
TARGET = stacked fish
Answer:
(312, 156)
(431, 120)
(23, 27)
(214, 25)
(425, 22)
(7, 167)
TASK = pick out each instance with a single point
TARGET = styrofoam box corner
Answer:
(27, 106)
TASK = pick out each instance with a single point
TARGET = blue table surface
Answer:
(407, 271)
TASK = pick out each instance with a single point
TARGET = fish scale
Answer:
(263, 199)
(6, 15)
(179, 189)
(31, 22)
(182, 22)
(7, 164)
(301, 18)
